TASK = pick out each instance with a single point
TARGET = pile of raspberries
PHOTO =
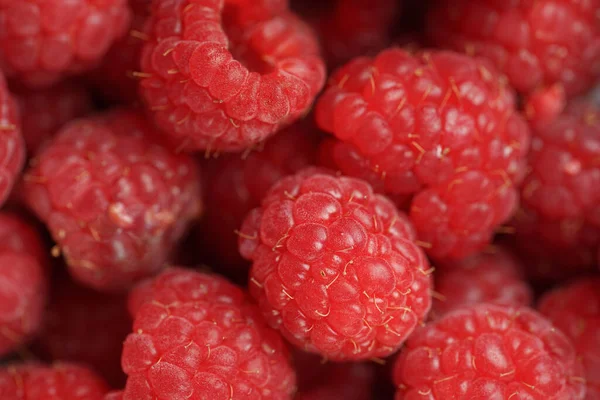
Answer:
(300, 199)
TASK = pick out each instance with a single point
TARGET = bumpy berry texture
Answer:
(439, 125)
(489, 352)
(335, 266)
(575, 310)
(225, 75)
(534, 43)
(23, 277)
(62, 381)
(195, 336)
(483, 278)
(114, 198)
(42, 41)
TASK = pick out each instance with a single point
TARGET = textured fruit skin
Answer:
(206, 98)
(535, 43)
(437, 125)
(114, 396)
(335, 266)
(489, 352)
(64, 381)
(114, 198)
(575, 310)
(42, 41)
(483, 278)
(196, 336)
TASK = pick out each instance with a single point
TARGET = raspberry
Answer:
(114, 396)
(113, 197)
(42, 40)
(335, 267)
(437, 125)
(533, 42)
(482, 278)
(197, 337)
(225, 75)
(62, 381)
(489, 352)
(575, 310)
(23, 282)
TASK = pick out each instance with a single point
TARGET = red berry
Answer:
(195, 336)
(335, 267)
(113, 197)
(439, 125)
(114, 396)
(225, 75)
(575, 310)
(44, 40)
(62, 381)
(533, 42)
(489, 352)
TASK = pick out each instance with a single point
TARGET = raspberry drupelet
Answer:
(226, 75)
(535, 43)
(196, 336)
(114, 198)
(335, 266)
(489, 352)
(43, 41)
(575, 310)
(437, 125)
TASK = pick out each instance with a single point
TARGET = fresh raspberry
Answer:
(489, 352)
(61, 381)
(335, 267)
(23, 282)
(44, 112)
(195, 336)
(482, 278)
(225, 75)
(534, 43)
(575, 310)
(113, 197)
(114, 396)
(439, 125)
(44, 40)
(235, 184)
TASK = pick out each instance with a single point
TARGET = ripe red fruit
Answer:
(489, 352)
(335, 267)
(225, 75)
(114, 198)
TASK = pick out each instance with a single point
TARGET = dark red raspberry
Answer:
(335, 267)
(62, 381)
(225, 75)
(44, 40)
(533, 42)
(113, 197)
(489, 352)
(439, 125)
(483, 278)
(575, 310)
(195, 336)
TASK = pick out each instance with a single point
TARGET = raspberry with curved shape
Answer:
(335, 267)
(537, 43)
(488, 351)
(575, 310)
(483, 278)
(44, 41)
(64, 381)
(114, 198)
(226, 75)
(197, 336)
(437, 125)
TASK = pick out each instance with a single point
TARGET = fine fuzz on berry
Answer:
(225, 75)
(113, 197)
(335, 266)
(195, 336)
(489, 352)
